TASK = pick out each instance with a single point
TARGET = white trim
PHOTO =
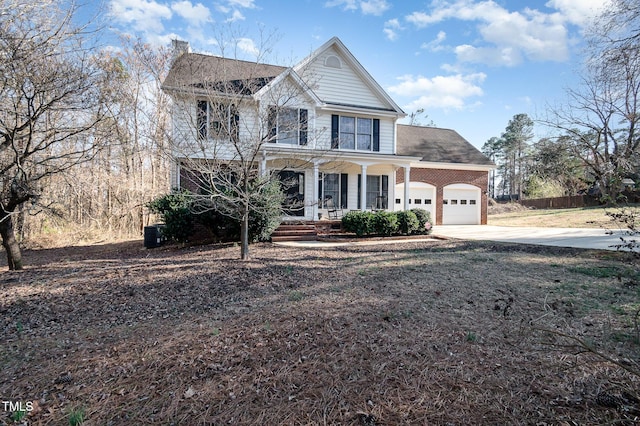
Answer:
(360, 70)
(452, 166)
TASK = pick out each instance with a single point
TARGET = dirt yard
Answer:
(433, 333)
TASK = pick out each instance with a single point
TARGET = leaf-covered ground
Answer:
(435, 332)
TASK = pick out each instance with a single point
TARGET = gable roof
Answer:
(198, 71)
(337, 44)
(436, 145)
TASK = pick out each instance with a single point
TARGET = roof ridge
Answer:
(207, 55)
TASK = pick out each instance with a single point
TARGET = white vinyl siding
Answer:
(340, 85)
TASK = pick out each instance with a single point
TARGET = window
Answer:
(355, 133)
(216, 121)
(365, 134)
(463, 202)
(347, 133)
(454, 202)
(417, 201)
(397, 200)
(427, 201)
(288, 125)
(332, 62)
(377, 191)
(472, 202)
(333, 186)
(445, 202)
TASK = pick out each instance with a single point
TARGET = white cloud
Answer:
(374, 7)
(436, 44)
(194, 15)
(367, 7)
(346, 4)
(391, 28)
(508, 36)
(236, 16)
(246, 4)
(248, 46)
(146, 16)
(578, 12)
(444, 92)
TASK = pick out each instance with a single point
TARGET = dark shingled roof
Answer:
(438, 145)
(197, 71)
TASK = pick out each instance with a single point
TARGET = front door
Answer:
(292, 184)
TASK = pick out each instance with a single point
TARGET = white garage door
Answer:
(421, 196)
(461, 205)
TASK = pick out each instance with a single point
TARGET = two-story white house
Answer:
(328, 129)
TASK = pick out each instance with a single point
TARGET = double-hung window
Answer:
(355, 133)
(288, 125)
(216, 120)
(377, 191)
(333, 186)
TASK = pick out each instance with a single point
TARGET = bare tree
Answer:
(601, 121)
(52, 96)
(601, 116)
(228, 115)
(416, 120)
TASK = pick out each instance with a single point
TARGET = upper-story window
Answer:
(288, 125)
(217, 120)
(355, 133)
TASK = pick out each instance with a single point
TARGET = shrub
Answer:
(182, 210)
(407, 222)
(385, 223)
(266, 214)
(358, 222)
(175, 210)
(424, 221)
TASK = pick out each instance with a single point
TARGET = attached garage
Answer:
(461, 205)
(457, 174)
(421, 196)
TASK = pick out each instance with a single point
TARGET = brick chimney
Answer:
(179, 47)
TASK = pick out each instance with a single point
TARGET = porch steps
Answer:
(294, 232)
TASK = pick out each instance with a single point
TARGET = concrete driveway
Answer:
(560, 237)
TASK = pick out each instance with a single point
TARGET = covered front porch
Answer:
(332, 184)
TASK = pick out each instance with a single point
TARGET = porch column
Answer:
(314, 191)
(407, 179)
(363, 188)
(263, 165)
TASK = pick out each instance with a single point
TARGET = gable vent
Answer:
(332, 62)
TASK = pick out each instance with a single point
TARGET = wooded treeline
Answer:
(83, 128)
(596, 142)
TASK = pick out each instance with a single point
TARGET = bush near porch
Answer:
(384, 223)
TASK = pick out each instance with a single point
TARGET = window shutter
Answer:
(359, 190)
(303, 126)
(201, 119)
(235, 120)
(385, 191)
(272, 118)
(344, 186)
(321, 200)
(376, 134)
(334, 131)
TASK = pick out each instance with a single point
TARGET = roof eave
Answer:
(453, 166)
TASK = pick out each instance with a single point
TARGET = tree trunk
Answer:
(11, 246)
(244, 235)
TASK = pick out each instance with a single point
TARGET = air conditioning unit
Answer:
(153, 236)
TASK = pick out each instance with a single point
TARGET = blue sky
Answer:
(470, 64)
